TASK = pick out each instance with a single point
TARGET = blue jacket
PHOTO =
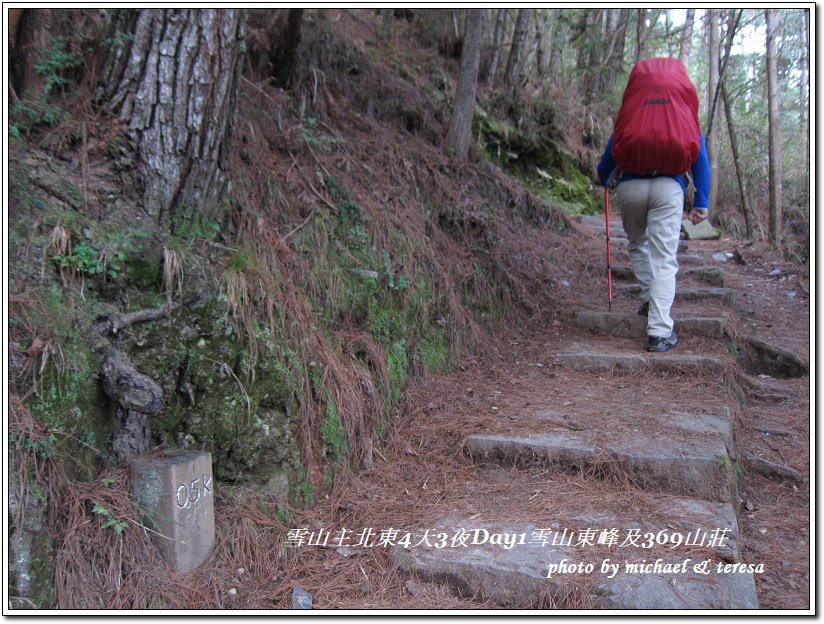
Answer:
(700, 174)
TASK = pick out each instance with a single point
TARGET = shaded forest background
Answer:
(272, 220)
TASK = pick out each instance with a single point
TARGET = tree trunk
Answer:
(686, 37)
(460, 125)
(774, 105)
(742, 180)
(640, 34)
(514, 68)
(712, 87)
(28, 31)
(500, 27)
(286, 50)
(173, 82)
(617, 57)
(543, 38)
(556, 51)
(804, 90)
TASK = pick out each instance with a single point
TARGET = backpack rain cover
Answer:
(657, 128)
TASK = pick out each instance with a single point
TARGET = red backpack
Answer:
(657, 128)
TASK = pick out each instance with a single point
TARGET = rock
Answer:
(413, 588)
(301, 599)
(701, 231)
(774, 273)
(232, 591)
(792, 294)
(719, 257)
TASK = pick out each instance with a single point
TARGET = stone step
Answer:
(708, 275)
(615, 232)
(689, 458)
(627, 363)
(759, 357)
(726, 295)
(536, 565)
(682, 249)
(635, 326)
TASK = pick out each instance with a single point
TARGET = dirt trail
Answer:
(527, 441)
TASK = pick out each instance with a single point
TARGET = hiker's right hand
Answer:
(696, 216)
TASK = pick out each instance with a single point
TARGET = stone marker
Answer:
(700, 231)
(175, 492)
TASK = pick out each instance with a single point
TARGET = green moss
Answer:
(144, 274)
(396, 362)
(433, 352)
(42, 571)
(303, 492)
(738, 391)
(333, 434)
(386, 325)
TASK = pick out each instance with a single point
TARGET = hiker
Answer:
(655, 146)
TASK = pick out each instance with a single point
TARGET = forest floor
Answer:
(426, 475)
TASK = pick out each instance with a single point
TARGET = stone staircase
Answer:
(681, 460)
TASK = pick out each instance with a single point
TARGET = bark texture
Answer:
(460, 125)
(172, 77)
(514, 67)
(500, 26)
(286, 51)
(774, 104)
(686, 37)
(742, 179)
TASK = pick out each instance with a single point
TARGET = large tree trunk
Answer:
(712, 87)
(774, 105)
(686, 37)
(514, 68)
(285, 51)
(28, 31)
(460, 125)
(742, 180)
(173, 82)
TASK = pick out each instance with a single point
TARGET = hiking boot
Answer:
(659, 345)
(644, 309)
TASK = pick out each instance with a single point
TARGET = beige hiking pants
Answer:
(651, 210)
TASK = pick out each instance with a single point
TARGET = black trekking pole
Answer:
(609, 252)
